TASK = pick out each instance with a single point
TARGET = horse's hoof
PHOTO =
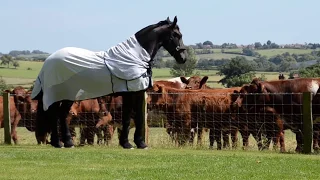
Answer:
(126, 145)
(68, 144)
(141, 145)
(56, 145)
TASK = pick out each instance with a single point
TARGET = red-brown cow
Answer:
(189, 106)
(14, 117)
(256, 120)
(90, 114)
(287, 105)
(196, 82)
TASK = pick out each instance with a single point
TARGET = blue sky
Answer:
(100, 24)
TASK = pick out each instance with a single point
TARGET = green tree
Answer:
(311, 71)
(268, 42)
(263, 64)
(237, 72)
(188, 67)
(169, 63)
(257, 45)
(6, 60)
(208, 43)
(15, 64)
(3, 85)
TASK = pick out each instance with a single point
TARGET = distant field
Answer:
(268, 52)
(22, 76)
(35, 56)
(274, 52)
(165, 74)
(217, 55)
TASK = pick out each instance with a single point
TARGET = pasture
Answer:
(23, 76)
(163, 160)
(160, 161)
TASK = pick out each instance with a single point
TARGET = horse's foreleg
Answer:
(138, 120)
(51, 114)
(126, 113)
(42, 128)
(63, 113)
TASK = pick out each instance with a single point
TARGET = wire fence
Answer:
(196, 120)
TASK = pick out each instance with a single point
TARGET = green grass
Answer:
(34, 56)
(164, 73)
(217, 55)
(161, 161)
(31, 162)
(24, 77)
(267, 52)
(273, 52)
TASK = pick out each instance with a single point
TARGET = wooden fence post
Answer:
(6, 117)
(145, 117)
(307, 123)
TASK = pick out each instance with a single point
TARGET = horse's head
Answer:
(173, 43)
(166, 34)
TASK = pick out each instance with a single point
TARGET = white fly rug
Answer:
(77, 74)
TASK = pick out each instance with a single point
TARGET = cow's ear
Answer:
(236, 91)
(184, 80)
(203, 81)
(261, 88)
(255, 81)
(161, 88)
(155, 87)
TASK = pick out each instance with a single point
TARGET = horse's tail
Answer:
(42, 127)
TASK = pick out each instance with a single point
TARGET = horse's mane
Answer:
(153, 26)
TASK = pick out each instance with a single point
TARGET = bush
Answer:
(3, 85)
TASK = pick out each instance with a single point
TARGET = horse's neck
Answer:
(149, 39)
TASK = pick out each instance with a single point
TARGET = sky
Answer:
(100, 24)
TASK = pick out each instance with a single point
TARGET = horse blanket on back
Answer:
(77, 74)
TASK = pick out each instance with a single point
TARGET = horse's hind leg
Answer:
(63, 113)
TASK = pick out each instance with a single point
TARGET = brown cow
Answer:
(116, 103)
(188, 107)
(14, 117)
(90, 114)
(196, 82)
(287, 105)
(25, 106)
(257, 120)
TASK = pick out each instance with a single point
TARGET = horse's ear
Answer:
(168, 19)
(174, 22)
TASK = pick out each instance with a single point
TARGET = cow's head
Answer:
(105, 119)
(245, 97)
(195, 82)
(25, 105)
(156, 96)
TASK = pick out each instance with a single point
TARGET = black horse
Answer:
(163, 34)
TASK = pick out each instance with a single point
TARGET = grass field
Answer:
(24, 77)
(160, 161)
(30, 162)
